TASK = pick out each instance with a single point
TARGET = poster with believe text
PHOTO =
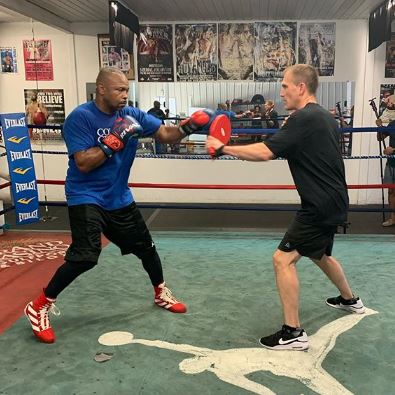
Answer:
(48, 102)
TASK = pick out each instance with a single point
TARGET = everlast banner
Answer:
(21, 167)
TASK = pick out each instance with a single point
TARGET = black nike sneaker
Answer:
(354, 305)
(286, 339)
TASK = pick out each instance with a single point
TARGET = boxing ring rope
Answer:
(210, 206)
(213, 186)
(202, 156)
(235, 132)
(221, 186)
(365, 129)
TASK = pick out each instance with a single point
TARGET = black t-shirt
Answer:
(272, 120)
(157, 113)
(309, 141)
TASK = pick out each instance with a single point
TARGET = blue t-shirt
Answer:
(229, 114)
(107, 185)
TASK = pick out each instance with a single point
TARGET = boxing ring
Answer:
(225, 277)
(221, 191)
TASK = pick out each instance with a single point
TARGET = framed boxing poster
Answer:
(8, 60)
(37, 56)
(155, 53)
(196, 52)
(317, 44)
(110, 55)
(390, 58)
(44, 106)
(235, 51)
(274, 49)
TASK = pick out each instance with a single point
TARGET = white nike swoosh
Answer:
(281, 341)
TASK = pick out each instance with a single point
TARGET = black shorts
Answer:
(309, 240)
(389, 174)
(124, 227)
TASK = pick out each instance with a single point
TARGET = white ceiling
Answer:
(7, 15)
(62, 13)
(180, 10)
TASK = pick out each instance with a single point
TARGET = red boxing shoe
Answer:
(165, 299)
(37, 314)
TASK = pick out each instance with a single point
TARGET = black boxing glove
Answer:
(123, 129)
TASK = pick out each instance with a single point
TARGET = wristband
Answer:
(219, 151)
(107, 150)
(185, 129)
(182, 131)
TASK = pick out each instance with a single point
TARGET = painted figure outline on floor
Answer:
(233, 365)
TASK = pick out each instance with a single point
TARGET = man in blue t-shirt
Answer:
(101, 139)
(222, 109)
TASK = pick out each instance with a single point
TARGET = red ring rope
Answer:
(224, 186)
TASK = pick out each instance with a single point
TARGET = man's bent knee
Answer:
(145, 250)
(283, 259)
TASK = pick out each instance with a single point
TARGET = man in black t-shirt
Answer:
(157, 112)
(270, 115)
(309, 141)
(389, 171)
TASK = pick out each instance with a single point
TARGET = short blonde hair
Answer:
(306, 74)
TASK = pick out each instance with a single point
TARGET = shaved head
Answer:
(106, 73)
(112, 89)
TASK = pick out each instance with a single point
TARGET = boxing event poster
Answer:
(387, 102)
(37, 55)
(155, 53)
(275, 48)
(317, 42)
(50, 102)
(8, 60)
(21, 167)
(110, 55)
(390, 58)
(236, 51)
(196, 52)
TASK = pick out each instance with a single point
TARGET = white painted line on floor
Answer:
(233, 365)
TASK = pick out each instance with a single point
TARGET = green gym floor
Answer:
(227, 281)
